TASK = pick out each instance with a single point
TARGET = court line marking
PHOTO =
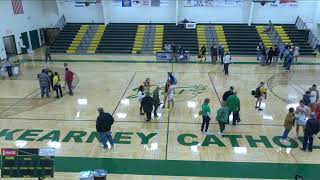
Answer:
(158, 62)
(125, 91)
(23, 98)
(152, 122)
(167, 139)
(215, 90)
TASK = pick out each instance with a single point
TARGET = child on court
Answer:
(288, 123)
(140, 97)
(206, 115)
(222, 117)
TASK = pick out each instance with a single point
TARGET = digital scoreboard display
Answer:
(27, 163)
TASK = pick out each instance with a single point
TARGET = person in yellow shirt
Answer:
(261, 92)
(57, 85)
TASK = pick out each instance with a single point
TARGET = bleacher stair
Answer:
(158, 38)
(94, 43)
(78, 38)
(139, 39)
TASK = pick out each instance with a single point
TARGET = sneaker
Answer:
(260, 109)
(208, 133)
(302, 149)
(141, 113)
(220, 133)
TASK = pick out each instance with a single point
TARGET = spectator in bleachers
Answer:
(269, 27)
(221, 53)
(167, 47)
(214, 54)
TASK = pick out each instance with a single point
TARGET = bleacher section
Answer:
(118, 38)
(242, 39)
(78, 38)
(96, 39)
(139, 39)
(299, 38)
(158, 38)
(239, 39)
(221, 38)
(187, 38)
(202, 40)
(264, 36)
(66, 36)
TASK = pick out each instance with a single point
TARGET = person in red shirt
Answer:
(69, 78)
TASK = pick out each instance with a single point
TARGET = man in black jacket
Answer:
(311, 130)
(103, 126)
(227, 94)
(214, 54)
(147, 105)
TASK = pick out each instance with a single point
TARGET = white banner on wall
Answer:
(140, 3)
(81, 3)
(213, 3)
(285, 3)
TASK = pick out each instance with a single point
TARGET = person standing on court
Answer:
(166, 88)
(221, 53)
(226, 62)
(141, 95)
(314, 95)
(270, 55)
(147, 104)
(288, 123)
(170, 96)
(259, 49)
(69, 78)
(57, 85)
(301, 113)
(206, 115)
(260, 93)
(156, 100)
(275, 55)
(227, 94)
(147, 85)
(203, 52)
(8, 66)
(311, 130)
(103, 127)
(233, 103)
(48, 54)
(214, 54)
(44, 83)
(222, 117)
(296, 53)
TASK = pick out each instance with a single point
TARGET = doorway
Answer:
(10, 45)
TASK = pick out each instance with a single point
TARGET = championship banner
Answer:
(285, 3)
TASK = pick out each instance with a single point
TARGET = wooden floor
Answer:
(174, 135)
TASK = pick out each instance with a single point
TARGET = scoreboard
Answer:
(27, 163)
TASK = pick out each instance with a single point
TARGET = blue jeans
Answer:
(307, 141)
(44, 90)
(104, 136)
(289, 65)
(9, 69)
(285, 133)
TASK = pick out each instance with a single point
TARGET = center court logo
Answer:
(182, 92)
(144, 138)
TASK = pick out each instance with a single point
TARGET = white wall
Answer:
(284, 14)
(73, 14)
(140, 14)
(34, 17)
(215, 14)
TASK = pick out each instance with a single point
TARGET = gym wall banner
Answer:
(213, 3)
(284, 3)
(140, 3)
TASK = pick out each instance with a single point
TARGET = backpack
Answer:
(258, 93)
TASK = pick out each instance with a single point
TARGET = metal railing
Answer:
(312, 39)
(61, 22)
